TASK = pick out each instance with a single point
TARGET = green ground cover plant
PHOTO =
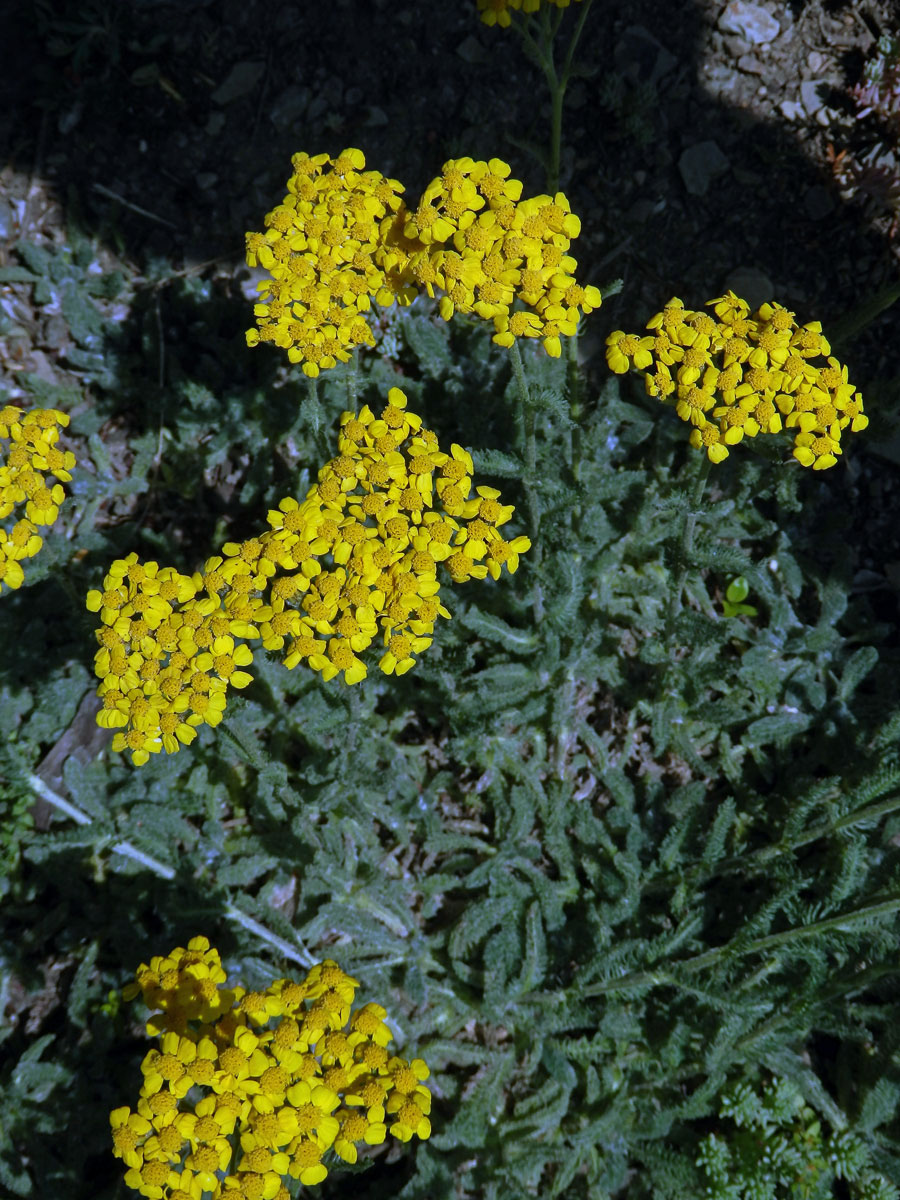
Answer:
(607, 844)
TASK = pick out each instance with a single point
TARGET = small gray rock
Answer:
(643, 210)
(241, 79)
(69, 118)
(289, 106)
(869, 581)
(472, 51)
(376, 117)
(720, 78)
(818, 202)
(736, 46)
(752, 284)
(810, 95)
(7, 219)
(792, 110)
(699, 165)
(641, 57)
(750, 65)
(750, 21)
(206, 180)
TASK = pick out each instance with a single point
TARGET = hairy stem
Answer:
(686, 544)
(573, 387)
(540, 49)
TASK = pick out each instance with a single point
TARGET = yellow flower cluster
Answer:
(343, 237)
(496, 12)
(389, 509)
(357, 556)
(744, 374)
(167, 646)
(248, 1088)
(333, 244)
(485, 247)
(28, 456)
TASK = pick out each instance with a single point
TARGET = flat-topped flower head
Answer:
(238, 1113)
(342, 239)
(29, 499)
(331, 248)
(738, 374)
(174, 638)
(360, 556)
(380, 521)
(497, 254)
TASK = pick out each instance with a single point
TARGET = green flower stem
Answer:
(664, 977)
(573, 388)
(354, 725)
(557, 98)
(532, 499)
(565, 735)
(541, 51)
(162, 871)
(771, 941)
(318, 428)
(687, 542)
(573, 41)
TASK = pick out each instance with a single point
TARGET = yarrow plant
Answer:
(28, 458)
(359, 555)
(343, 238)
(744, 374)
(250, 1088)
(624, 855)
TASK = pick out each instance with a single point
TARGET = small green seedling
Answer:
(736, 592)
